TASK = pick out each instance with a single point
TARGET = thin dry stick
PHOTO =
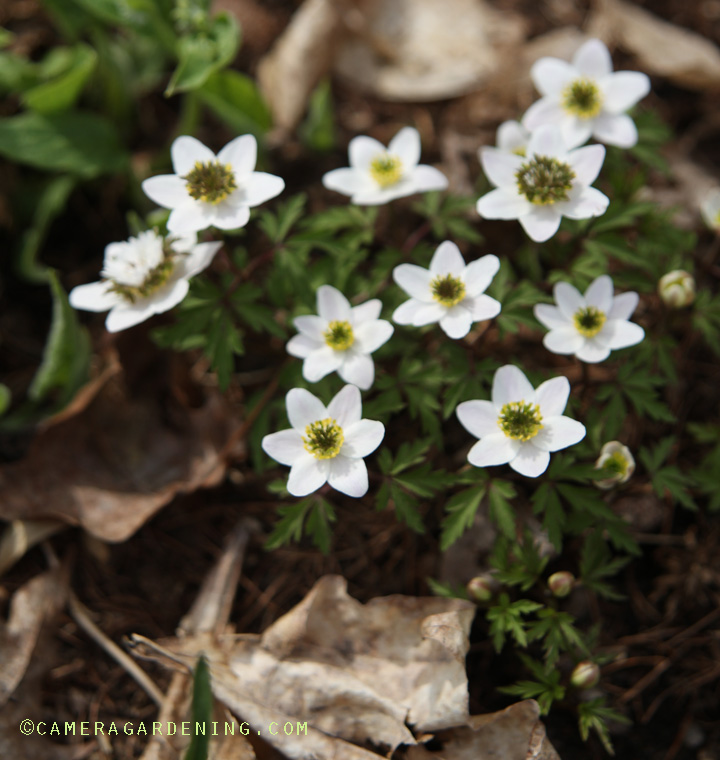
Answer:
(82, 617)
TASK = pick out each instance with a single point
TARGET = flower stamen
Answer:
(210, 181)
(589, 320)
(520, 420)
(544, 180)
(582, 98)
(339, 335)
(447, 290)
(323, 438)
(386, 169)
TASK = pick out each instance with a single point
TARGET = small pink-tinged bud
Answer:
(561, 584)
(481, 588)
(585, 675)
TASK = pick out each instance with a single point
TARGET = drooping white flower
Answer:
(591, 325)
(549, 182)
(450, 292)
(677, 288)
(325, 444)
(617, 458)
(142, 276)
(512, 137)
(585, 98)
(710, 209)
(521, 426)
(340, 339)
(212, 191)
(378, 174)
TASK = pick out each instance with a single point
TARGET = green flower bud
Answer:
(585, 675)
(677, 288)
(561, 584)
(481, 588)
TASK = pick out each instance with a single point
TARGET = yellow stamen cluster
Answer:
(323, 439)
(447, 290)
(520, 420)
(210, 181)
(589, 321)
(582, 98)
(386, 169)
(339, 335)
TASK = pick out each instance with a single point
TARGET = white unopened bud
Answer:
(710, 209)
(585, 675)
(677, 288)
(618, 461)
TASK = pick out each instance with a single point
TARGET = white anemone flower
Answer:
(378, 174)
(212, 191)
(585, 98)
(450, 292)
(512, 137)
(590, 325)
(521, 426)
(548, 183)
(142, 276)
(340, 338)
(618, 460)
(325, 444)
(710, 209)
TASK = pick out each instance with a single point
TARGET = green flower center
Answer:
(521, 151)
(447, 290)
(154, 280)
(616, 465)
(210, 181)
(589, 321)
(520, 420)
(339, 335)
(323, 439)
(582, 98)
(386, 169)
(544, 180)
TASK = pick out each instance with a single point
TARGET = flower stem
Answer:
(415, 237)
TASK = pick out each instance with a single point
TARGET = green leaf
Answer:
(318, 129)
(318, 524)
(224, 341)
(290, 526)
(460, 514)
(63, 89)
(501, 511)
(406, 508)
(5, 398)
(202, 707)
(235, 98)
(201, 54)
(80, 143)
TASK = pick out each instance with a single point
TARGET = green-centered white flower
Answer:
(142, 276)
(325, 444)
(590, 325)
(521, 425)
(618, 460)
(340, 338)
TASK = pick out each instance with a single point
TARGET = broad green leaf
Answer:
(5, 398)
(235, 98)
(80, 143)
(318, 129)
(64, 87)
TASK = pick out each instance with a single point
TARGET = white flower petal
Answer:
(493, 450)
(590, 202)
(346, 406)
(550, 316)
(185, 151)
(125, 315)
(552, 396)
(503, 204)
(623, 89)
(307, 475)
(406, 146)
(199, 258)
(510, 384)
(405, 313)
(586, 163)
(456, 322)
(190, 217)
(429, 313)
(425, 178)
(482, 307)
(414, 280)
(592, 351)
(530, 461)
(568, 299)
(593, 59)
(169, 296)
(559, 433)
(358, 369)
(551, 75)
(261, 186)
(544, 111)
(301, 346)
(226, 216)
(332, 304)
(312, 326)
(623, 305)
(480, 418)
(349, 476)
(362, 150)
(369, 336)
(511, 136)
(500, 166)
(615, 130)
(600, 293)
(547, 140)
(617, 333)
(241, 154)
(479, 274)
(541, 223)
(362, 438)
(320, 363)
(167, 190)
(95, 296)
(563, 340)
(575, 131)
(348, 181)
(447, 259)
(285, 446)
(303, 408)
(366, 312)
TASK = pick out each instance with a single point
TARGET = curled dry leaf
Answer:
(113, 465)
